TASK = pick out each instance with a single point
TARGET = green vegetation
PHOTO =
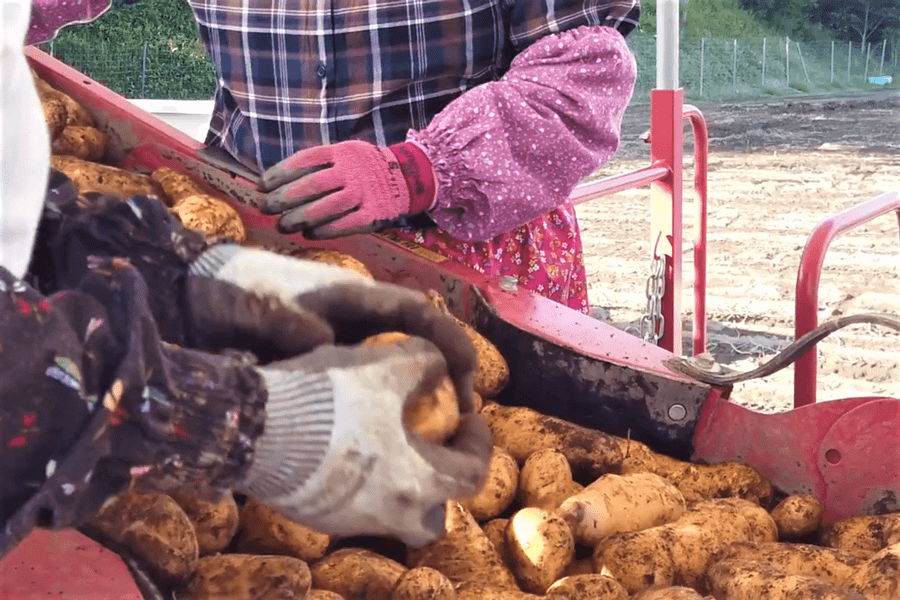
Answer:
(147, 50)
(742, 48)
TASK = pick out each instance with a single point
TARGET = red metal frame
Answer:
(806, 310)
(666, 184)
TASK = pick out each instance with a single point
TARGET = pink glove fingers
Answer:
(296, 167)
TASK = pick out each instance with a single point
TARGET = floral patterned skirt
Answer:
(544, 255)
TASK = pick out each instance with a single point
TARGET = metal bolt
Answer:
(508, 283)
(677, 412)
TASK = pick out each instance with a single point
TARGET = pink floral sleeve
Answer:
(508, 151)
(49, 16)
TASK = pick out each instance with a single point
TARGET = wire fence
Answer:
(718, 69)
(712, 69)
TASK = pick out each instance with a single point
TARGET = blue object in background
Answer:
(883, 80)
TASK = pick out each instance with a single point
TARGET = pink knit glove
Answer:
(346, 188)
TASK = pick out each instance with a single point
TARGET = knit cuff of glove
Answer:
(419, 175)
(296, 435)
(212, 260)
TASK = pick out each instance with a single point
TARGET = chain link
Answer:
(653, 323)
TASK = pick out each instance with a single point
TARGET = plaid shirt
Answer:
(294, 76)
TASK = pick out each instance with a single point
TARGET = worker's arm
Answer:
(498, 156)
(49, 16)
(508, 151)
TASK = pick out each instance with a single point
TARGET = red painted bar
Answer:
(701, 169)
(667, 147)
(619, 183)
(806, 310)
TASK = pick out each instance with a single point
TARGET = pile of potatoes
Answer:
(566, 513)
(79, 150)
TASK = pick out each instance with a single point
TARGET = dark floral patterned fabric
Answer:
(90, 395)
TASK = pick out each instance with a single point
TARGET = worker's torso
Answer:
(331, 70)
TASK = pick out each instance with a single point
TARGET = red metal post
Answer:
(667, 147)
(806, 310)
(701, 154)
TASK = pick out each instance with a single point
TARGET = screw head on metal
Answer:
(677, 412)
(508, 283)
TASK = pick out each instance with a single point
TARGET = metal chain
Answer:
(653, 323)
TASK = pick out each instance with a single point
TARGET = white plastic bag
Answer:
(24, 143)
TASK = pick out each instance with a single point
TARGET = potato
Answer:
(670, 593)
(586, 587)
(541, 546)
(617, 504)
(155, 529)
(499, 490)
(830, 564)
(54, 115)
(492, 371)
(247, 577)
(264, 530)
(215, 521)
(434, 417)
(93, 177)
(479, 590)
(681, 552)
(699, 482)
(80, 141)
(76, 114)
(495, 530)
(333, 257)
(580, 566)
(477, 402)
(879, 577)
(212, 216)
(176, 186)
(357, 574)
(744, 579)
(546, 480)
(798, 516)
(323, 595)
(864, 535)
(423, 583)
(464, 553)
(523, 431)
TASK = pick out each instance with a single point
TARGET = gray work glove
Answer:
(279, 307)
(334, 453)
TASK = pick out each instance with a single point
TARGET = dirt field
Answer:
(776, 170)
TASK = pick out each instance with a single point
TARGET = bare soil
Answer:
(776, 169)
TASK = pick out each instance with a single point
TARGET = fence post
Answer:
(883, 48)
(144, 71)
(764, 64)
(803, 63)
(734, 69)
(51, 47)
(868, 52)
(702, 52)
(832, 61)
(849, 59)
(787, 61)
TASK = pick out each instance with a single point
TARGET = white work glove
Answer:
(334, 453)
(24, 143)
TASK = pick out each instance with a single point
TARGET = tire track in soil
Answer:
(776, 170)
